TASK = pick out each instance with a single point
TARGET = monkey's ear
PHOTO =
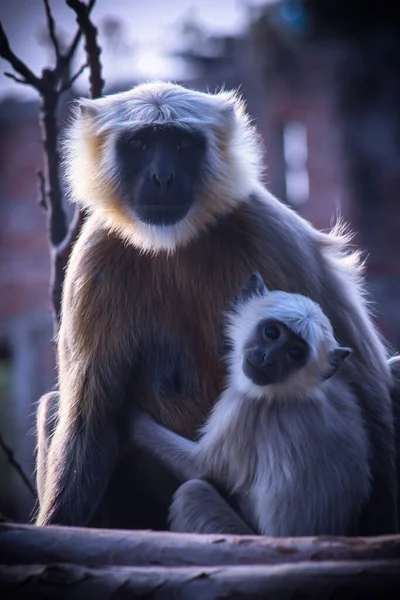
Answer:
(228, 104)
(336, 358)
(87, 107)
(227, 116)
(254, 286)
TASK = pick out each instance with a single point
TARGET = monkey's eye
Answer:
(184, 144)
(296, 353)
(271, 332)
(136, 144)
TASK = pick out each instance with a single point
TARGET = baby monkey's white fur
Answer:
(295, 453)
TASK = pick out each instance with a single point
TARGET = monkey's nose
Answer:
(267, 361)
(162, 180)
(259, 358)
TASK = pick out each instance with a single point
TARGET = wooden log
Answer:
(25, 544)
(345, 580)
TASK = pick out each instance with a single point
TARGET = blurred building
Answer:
(320, 153)
(26, 353)
(324, 88)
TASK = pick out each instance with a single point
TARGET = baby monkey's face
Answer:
(273, 353)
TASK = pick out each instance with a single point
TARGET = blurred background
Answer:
(322, 81)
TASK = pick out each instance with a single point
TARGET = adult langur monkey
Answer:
(179, 219)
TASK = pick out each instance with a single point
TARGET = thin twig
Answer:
(12, 460)
(52, 28)
(15, 78)
(71, 82)
(42, 190)
(17, 64)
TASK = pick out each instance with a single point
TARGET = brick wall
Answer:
(25, 322)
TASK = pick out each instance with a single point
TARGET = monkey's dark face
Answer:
(160, 172)
(273, 353)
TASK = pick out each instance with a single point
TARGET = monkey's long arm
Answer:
(197, 507)
(81, 457)
(92, 387)
(177, 453)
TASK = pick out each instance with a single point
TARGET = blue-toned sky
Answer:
(149, 32)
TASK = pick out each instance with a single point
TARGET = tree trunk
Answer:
(344, 580)
(63, 562)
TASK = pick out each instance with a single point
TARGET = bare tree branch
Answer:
(15, 78)
(71, 82)
(50, 86)
(15, 464)
(56, 217)
(375, 580)
(23, 544)
(60, 257)
(92, 48)
(75, 42)
(17, 64)
(52, 28)
(71, 237)
(93, 52)
(82, 563)
(42, 190)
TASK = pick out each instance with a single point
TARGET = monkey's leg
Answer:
(46, 420)
(197, 507)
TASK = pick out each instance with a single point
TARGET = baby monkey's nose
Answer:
(259, 358)
(268, 360)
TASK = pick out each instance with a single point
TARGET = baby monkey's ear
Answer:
(336, 358)
(254, 286)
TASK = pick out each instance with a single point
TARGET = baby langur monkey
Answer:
(286, 437)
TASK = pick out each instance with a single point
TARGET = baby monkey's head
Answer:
(281, 340)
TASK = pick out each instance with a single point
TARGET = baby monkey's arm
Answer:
(177, 453)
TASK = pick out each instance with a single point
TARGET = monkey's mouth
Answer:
(161, 214)
(256, 374)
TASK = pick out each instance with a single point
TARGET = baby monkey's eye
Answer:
(271, 332)
(296, 353)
